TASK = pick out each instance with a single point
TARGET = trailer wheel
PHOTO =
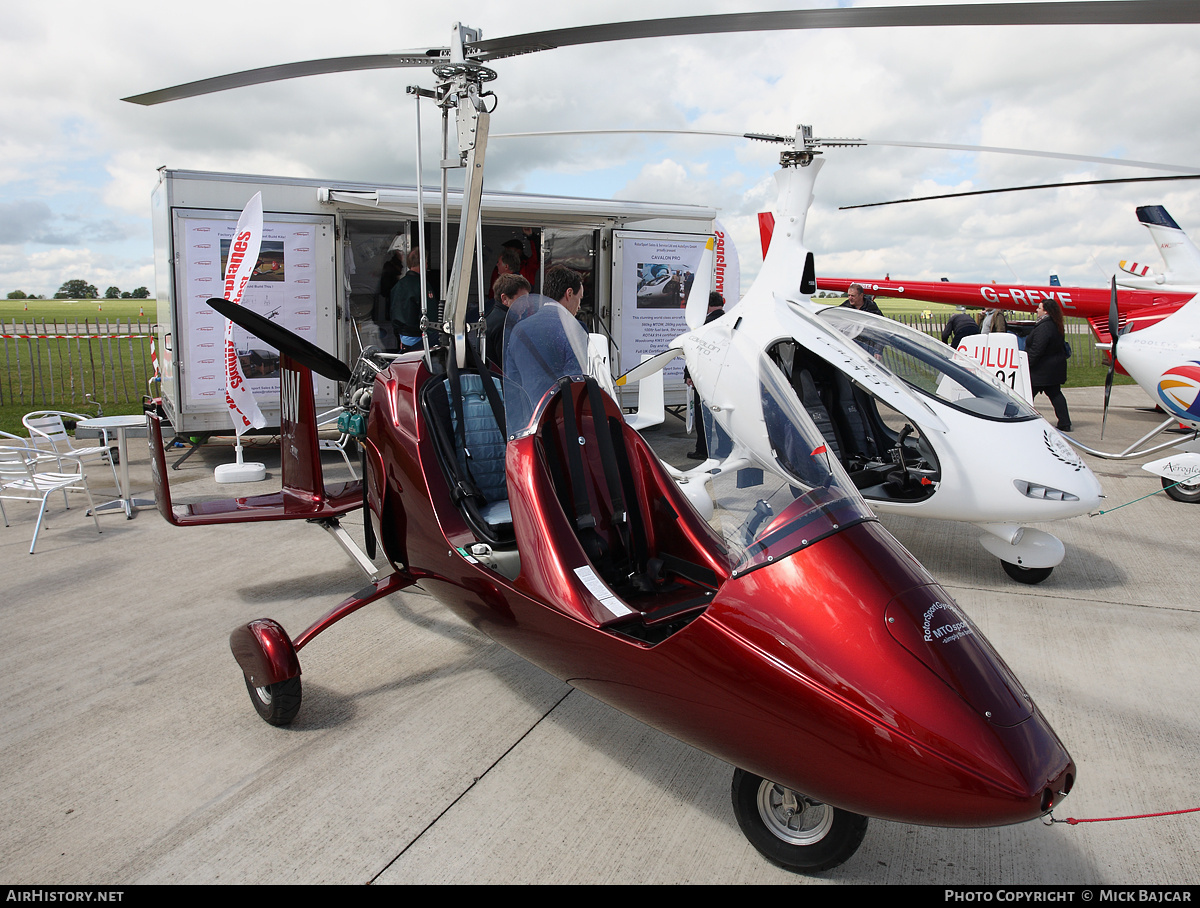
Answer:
(792, 830)
(1024, 574)
(276, 703)
(1187, 492)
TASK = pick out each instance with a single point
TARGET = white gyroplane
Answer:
(921, 429)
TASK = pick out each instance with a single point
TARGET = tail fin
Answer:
(766, 229)
(1179, 253)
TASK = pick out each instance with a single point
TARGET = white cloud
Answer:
(70, 143)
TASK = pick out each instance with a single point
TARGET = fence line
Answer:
(59, 364)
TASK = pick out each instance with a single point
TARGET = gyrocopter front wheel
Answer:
(1023, 574)
(792, 830)
(276, 703)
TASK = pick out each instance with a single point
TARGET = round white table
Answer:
(120, 425)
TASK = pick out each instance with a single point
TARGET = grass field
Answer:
(75, 310)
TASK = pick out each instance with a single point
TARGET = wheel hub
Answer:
(792, 817)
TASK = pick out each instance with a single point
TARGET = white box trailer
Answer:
(324, 247)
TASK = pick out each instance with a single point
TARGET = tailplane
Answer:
(1179, 253)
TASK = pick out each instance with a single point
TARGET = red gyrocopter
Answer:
(788, 633)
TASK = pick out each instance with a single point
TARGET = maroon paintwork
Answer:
(812, 670)
(835, 665)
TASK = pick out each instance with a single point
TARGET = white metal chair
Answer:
(329, 418)
(20, 481)
(48, 434)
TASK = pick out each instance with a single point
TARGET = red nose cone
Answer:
(879, 695)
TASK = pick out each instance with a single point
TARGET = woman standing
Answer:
(1047, 352)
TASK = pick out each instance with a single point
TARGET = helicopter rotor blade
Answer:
(283, 340)
(1113, 323)
(1085, 12)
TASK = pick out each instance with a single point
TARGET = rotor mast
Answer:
(460, 89)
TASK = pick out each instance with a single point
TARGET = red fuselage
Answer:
(840, 668)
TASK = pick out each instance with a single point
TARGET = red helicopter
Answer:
(787, 633)
(1138, 308)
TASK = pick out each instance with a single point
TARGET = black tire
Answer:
(816, 837)
(276, 703)
(1187, 492)
(1024, 574)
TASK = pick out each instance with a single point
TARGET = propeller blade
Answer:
(649, 367)
(957, 195)
(283, 340)
(1116, 12)
(697, 301)
(287, 71)
(1113, 322)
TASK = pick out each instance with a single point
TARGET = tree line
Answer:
(79, 289)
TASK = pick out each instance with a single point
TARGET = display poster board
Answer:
(292, 285)
(653, 273)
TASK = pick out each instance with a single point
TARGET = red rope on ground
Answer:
(1137, 816)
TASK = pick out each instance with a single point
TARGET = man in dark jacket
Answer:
(856, 299)
(960, 325)
(508, 288)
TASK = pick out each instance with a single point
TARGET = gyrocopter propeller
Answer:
(784, 631)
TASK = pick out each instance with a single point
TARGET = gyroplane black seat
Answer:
(465, 416)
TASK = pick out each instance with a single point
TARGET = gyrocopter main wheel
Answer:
(276, 703)
(1024, 574)
(791, 829)
(1187, 492)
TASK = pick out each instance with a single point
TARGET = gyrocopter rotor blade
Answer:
(283, 340)
(287, 71)
(1089, 12)
(1113, 324)
(1117, 12)
(1191, 170)
(959, 195)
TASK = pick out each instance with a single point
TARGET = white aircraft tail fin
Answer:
(1179, 253)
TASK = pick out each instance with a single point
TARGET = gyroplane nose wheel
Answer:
(1025, 574)
(791, 829)
(276, 703)
(1187, 492)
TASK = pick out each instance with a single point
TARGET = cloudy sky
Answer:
(77, 165)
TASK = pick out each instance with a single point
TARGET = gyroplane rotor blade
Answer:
(283, 340)
(959, 195)
(286, 71)
(1117, 12)
(1189, 169)
(1113, 326)
(1088, 12)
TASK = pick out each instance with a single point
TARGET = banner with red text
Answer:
(242, 260)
